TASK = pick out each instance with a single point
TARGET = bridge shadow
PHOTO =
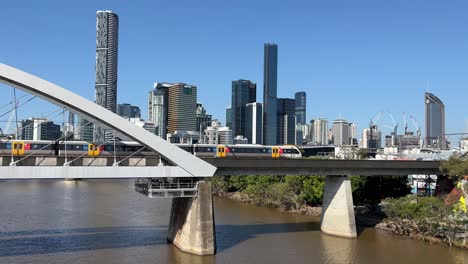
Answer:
(81, 239)
(228, 236)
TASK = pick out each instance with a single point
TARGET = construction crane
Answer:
(405, 123)
(371, 143)
(416, 126)
(395, 128)
(374, 120)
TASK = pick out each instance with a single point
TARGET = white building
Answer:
(464, 145)
(217, 134)
(340, 132)
(320, 132)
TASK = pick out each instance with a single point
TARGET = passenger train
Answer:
(125, 148)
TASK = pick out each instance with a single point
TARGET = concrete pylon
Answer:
(192, 225)
(337, 210)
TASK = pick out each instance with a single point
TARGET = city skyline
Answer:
(449, 87)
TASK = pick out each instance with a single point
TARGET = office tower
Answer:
(320, 132)
(158, 107)
(229, 116)
(254, 124)
(286, 121)
(340, 132)
(172, 107)
(203, 119)
(243, 93)
(39, 129)
(128, 111)
(107, 34)
(302, 133)
(435, 122)
(85, 130)
(371, 138)
(181, 114)
(353, 134)
(270, 70)
(300, 98)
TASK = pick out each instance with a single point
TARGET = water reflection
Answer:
(106, 221)
(71, 240)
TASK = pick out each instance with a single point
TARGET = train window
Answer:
(2, 145)
(108, 148)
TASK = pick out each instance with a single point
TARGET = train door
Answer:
(275, 152)
(221, 151)
(17, 148)
(93, 150)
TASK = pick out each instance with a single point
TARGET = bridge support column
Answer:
(337, 210)
(192, 225)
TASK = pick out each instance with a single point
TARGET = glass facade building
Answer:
(128, 111)
(228, 117)
(243, 93)
(270, 75)
(203, 119)
(286, 121)
(435, 122)
(300, 98)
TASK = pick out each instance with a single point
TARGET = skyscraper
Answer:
(181, 113)
(270, 75)
(107, 34)
(172, 107)
(253, 129)
(286, 121)
(300, 98)
(157, 108)
(243, 93)
(435, 122)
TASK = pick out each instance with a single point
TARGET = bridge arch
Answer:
(93, 112)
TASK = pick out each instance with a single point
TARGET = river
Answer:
(105, 221)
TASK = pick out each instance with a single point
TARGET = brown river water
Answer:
(105, 221)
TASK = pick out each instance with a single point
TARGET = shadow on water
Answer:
(228, 236)
(79, 239)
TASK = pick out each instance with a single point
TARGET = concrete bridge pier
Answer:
(192, 225)
(337, 211)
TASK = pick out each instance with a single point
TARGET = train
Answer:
(125, 148)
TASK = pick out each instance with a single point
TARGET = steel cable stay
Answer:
(27, 101)
(34, 152)
(11, 102)
(84, 154)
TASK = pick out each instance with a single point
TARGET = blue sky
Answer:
(353, 58)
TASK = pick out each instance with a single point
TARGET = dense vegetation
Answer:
(455, 167)
(291, 192)
(427, 218)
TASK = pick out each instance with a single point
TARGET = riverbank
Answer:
(436, 233)
(364, 217)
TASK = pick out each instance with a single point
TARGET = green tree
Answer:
(370, 191)
(455, 167)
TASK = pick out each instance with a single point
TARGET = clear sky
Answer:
(353, 58)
